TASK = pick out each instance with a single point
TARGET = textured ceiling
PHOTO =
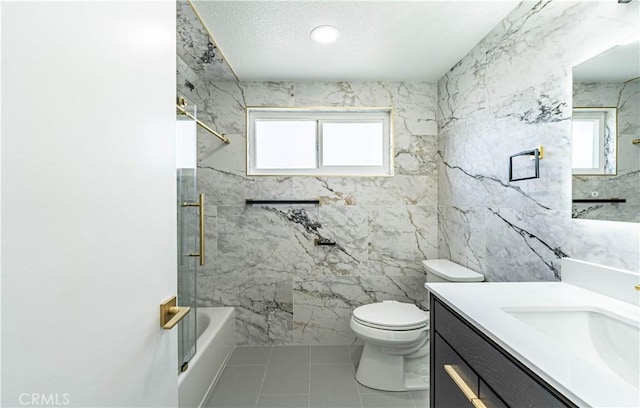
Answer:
(380, 40)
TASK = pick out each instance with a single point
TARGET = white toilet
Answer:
(396, 335)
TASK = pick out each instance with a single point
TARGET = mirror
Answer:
(606, 136)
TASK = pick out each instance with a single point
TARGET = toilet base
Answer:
(389, 372)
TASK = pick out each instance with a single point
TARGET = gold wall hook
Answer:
(170, 314)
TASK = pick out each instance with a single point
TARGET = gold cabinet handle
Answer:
(637, 287)
(200, 205)
(170, 314)
(466, 390)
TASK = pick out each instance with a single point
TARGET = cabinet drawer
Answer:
(516, 385)
(446, 393)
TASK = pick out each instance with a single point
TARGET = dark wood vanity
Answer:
(470, 370)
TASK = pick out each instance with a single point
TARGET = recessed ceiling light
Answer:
(325, 34)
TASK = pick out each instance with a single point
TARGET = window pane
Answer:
(584, 132)
(352, 144)
(285, 144)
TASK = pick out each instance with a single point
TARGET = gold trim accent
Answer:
(466, 390)
(200, 205)
(222, 137)
(170, 314)
(213, 40)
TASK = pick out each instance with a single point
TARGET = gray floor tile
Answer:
(420, 398)
(333, 386)
(288, 371)
(290, 353)
(238, 387)
(387, 400)
(330, 355)
(283, 401)
(356, 352)
(367, 390)
(251, 355)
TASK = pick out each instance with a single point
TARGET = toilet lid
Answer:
(391, 314)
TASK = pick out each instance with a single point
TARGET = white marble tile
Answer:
(322, 309)
(343, 94)
(264, 306)
(347, 226)
(461, 236)
(268, 93)
(511, 93)
(524, 245)
(266, 240)
(323, 305)
(401, 237)
(195, 47)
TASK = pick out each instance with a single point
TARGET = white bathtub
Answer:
(216, 340)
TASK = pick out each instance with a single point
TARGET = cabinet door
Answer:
(447, 394)
(488, 397)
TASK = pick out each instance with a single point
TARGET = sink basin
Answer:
(604, 338)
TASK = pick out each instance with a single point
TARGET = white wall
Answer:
(88, 203)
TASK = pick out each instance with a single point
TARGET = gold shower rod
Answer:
(205, 127)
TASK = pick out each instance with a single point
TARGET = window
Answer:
(301, 141)
(588, 142)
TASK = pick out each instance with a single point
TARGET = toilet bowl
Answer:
(395, 356)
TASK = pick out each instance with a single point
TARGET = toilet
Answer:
(395, 356)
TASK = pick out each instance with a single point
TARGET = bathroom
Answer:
(449, 197)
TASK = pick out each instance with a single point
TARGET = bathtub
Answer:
(216, 340)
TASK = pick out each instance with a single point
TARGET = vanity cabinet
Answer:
(469, 370)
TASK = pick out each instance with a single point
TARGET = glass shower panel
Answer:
(186, 165)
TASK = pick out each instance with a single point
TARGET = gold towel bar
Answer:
(205, 127)
(200, 205)
(170, 314)
(466, 390)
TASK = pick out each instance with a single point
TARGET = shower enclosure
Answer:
(190, 206)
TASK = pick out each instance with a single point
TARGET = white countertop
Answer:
(579, 379)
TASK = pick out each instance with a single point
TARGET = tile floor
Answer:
(302, 377)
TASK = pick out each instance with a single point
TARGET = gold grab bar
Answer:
(200, 205)
(466, 390)
(170, 314)
(207, 128)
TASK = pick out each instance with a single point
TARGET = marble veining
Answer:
(449, 197)
(511, 93)
(383, 227)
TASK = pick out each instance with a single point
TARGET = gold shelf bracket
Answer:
(170, 314)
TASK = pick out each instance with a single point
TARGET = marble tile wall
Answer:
(626, 182)
(262, 259)
(511, 93)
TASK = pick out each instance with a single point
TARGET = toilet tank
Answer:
(443, 270)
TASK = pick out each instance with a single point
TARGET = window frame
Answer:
(323, 115)
(598, 140)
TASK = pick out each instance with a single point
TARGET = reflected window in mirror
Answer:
(594, 141)
(606, 109)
